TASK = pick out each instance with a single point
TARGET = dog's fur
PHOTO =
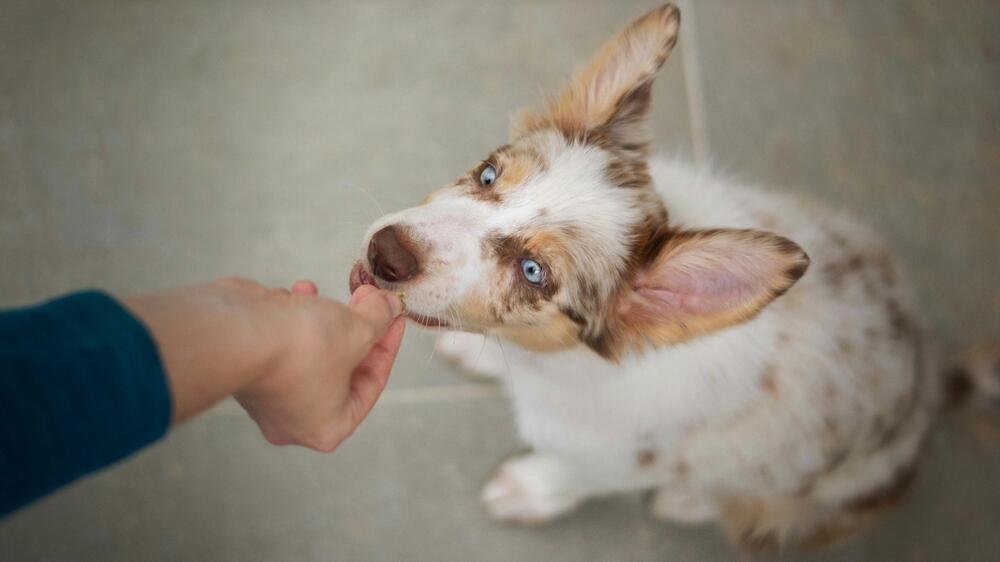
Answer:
(657, 353)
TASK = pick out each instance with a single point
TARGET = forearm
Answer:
(209, 347)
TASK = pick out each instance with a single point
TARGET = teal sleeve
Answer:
(81, 386)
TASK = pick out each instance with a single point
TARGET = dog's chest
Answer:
(577, 405)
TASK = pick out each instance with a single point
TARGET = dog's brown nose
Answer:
(390, 256)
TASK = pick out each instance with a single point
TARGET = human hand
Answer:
(307, 369)
(336, 364)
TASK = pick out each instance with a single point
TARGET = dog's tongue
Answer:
(360, 277)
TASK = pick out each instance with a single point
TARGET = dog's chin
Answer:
(360, 276)
(426, 321)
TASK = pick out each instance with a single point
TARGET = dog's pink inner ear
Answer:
(710, 273)
(699, 292)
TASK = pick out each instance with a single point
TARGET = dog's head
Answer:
(558, 238)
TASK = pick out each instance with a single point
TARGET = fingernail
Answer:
(395, 301)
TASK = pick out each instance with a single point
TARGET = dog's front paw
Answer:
(681, 505)
(531, 489)
(473, 354)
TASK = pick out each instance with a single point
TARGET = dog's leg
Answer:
(533, 488)
(474, 354)
(685, 505)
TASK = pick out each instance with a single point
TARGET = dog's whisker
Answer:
(504, 355)
(430, 357)
(370, 196)
(455, 317)
(482, 348)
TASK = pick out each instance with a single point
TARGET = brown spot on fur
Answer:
(681, 468)
(836, 460)
(838, 271)
(573, 315)
(628, 172)
(831, 426)
(603, 343)
(646, 458)
(845, 346)
(589, 290)
(752, 523)
(899, 324)
(887, 272)
(769, 381)
(649, 237)
(806, 489)
(830, 390)
(769, 525)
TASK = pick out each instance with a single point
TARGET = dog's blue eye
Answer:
(532, 271)
(487, 176)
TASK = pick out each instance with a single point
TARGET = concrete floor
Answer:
(146, 144)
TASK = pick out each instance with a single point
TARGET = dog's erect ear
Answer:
(704, 280)
(611, 96)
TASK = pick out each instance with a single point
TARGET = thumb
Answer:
(376, 306)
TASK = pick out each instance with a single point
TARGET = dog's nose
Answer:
(390, 256)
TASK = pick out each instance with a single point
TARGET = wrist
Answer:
(212, 339)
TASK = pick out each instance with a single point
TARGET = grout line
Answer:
(448, 393)
(397, 397)
(691, 65)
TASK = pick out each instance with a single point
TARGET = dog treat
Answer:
(402, 299)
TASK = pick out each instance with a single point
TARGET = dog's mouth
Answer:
(360, 276)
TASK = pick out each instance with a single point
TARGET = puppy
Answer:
(753, 358)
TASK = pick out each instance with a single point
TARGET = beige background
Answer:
(145, 144)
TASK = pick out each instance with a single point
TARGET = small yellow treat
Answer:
(402, 299)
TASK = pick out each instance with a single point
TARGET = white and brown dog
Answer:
(652, 348)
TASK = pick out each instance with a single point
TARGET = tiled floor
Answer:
(145, 144)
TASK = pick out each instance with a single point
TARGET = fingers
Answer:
(377, 307)
(372, 374)
(361, 293)
(305, 287)
(238, 282)
(298, 288)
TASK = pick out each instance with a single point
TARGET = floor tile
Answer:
(405, 487)
(889, 109)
